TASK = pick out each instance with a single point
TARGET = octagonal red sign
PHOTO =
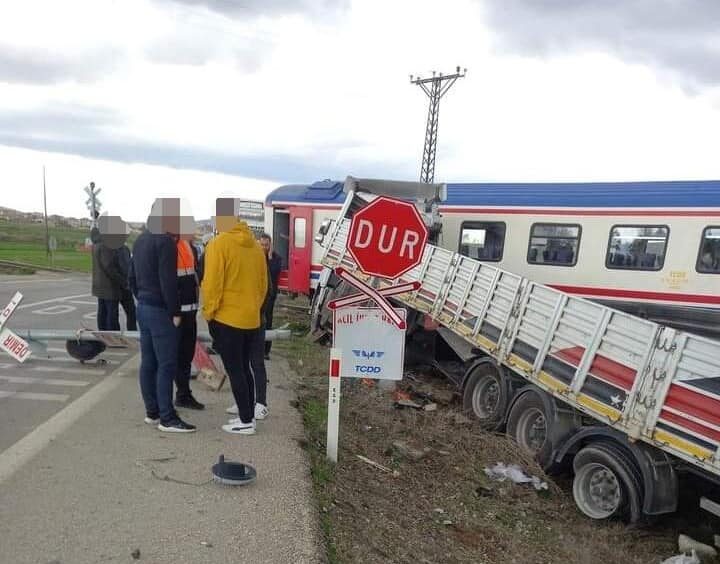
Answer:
(387, 237)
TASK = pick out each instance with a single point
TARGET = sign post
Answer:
(387, 239)
(9, 341)
(52, 245)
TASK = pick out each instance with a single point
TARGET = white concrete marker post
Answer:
(333, 417)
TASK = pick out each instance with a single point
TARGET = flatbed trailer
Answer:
(627, 402)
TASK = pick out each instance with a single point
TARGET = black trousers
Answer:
(108, 315)
(187, 335)
(235, 347)
(269, 321)
(257, 365)
(128, 304)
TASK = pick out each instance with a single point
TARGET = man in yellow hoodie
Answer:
(233, 290)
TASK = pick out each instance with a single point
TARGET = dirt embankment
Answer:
(433, 502)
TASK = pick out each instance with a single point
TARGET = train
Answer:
(651, 249)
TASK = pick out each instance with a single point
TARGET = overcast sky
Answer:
(201, 98)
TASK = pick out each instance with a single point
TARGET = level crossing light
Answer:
(93, 203)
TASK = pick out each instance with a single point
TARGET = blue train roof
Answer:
(670, 194)
(323, 192)
(663, 194)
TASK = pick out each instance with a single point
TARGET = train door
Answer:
(292, 241)
(300, 249)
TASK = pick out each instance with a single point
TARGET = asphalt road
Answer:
(32, 392)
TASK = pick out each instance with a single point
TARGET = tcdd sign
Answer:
(387, 237)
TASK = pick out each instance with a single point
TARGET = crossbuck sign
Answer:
(9, 341)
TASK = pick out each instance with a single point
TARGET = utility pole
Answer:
(47, 230)
(435, 87)
(93, 203)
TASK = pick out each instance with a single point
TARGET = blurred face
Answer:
(113, 231)
(265, 244)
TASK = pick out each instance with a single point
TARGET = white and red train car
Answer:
(649, 248)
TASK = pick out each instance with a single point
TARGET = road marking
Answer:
(56, 359)
(23, 281)
(53, 300)
(79, 372)
(15, 457)
(106, 353)
(48, 381)
(56, 309)
(83, 302)
(35, 396)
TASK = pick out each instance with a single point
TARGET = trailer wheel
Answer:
(486, 395)
(607, 483)
(529, 426)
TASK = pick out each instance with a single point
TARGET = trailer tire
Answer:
(486, 395)
(607, 483)
(530, 426)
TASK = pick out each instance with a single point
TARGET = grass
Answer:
(322, 470)
(310, 360)
(35, 254)
(25, 242)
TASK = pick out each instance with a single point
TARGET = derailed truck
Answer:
(628, 404)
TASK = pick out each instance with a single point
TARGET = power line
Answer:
(435, 87)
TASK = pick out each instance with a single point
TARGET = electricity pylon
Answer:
(435, 87)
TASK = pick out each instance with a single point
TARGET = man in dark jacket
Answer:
(108, 278)
(154, 282)
(274, 267)
(126, 298)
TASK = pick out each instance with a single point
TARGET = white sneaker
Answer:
(233, 420)
(240, 428)
(151, 421)
(261, 411)
(232, 410)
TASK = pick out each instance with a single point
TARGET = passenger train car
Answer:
(650, 248)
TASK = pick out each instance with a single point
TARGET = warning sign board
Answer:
(372, 345)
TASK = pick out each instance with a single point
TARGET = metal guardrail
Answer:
(18, 264)
(119, 336)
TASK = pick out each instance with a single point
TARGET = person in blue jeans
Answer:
(153, 281)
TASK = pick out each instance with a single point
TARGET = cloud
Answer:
(88, 132)
(680, 37)
(254, 8)
(195, 47)
(44, 66)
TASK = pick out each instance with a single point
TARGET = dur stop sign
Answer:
(387, 237)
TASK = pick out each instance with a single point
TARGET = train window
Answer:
(299, 232)
(708, 260)
(482, 240)
(555, 244)
(637, 247)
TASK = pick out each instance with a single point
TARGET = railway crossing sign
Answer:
(9, 341)
(370, 293)
(387, 237)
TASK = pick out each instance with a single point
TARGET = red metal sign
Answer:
(385, 292)
(373, 294)
(387, 237)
